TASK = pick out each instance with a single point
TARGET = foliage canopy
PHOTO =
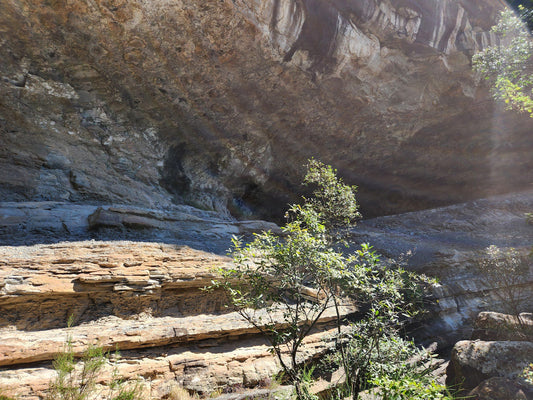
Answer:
(508, 64)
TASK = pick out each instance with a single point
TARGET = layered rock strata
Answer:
(446, 243)
(145, 297)
(50, 222)
(142, 298)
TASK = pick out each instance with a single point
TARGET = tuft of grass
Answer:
(77, 379)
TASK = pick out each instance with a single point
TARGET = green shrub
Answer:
(283, 285)
(528, 374)
(507, 64)
(77, 379)
(409, 388)
(507, 270)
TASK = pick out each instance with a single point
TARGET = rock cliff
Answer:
(117, 117)
(219, 103)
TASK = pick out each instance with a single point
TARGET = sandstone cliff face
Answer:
(219, 103)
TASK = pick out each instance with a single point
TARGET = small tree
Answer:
(508, 64)
(510, 68)
(390, 297)
(507, 270)
(333, 201)
(283, 285)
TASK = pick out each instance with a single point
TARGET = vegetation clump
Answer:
(507, 270)
(508, 64)
(283, 285)
(77, 379)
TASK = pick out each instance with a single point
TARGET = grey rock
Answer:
(381, 89)
(448, 243)
(472, 362)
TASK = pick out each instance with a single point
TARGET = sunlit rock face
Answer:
(220, 103)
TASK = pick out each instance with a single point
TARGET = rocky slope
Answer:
(219, 103)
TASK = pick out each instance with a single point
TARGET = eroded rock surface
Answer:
(220, 103)
(50, 222)
(448, 243)
(473, 362)
(143, 298)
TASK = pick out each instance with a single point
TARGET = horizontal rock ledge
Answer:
(197, 367)
(18, 347)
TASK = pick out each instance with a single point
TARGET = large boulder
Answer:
(496, 326)
(497, 388)
(472, 362)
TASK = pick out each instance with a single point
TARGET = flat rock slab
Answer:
(448, 237)
(18, 347)
(73, 267)
(25, 223)
(42, 286)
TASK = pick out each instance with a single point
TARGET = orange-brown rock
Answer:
(501, 389)
(203, 367)
(142, 298)
(42, 286)
(497, 326)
